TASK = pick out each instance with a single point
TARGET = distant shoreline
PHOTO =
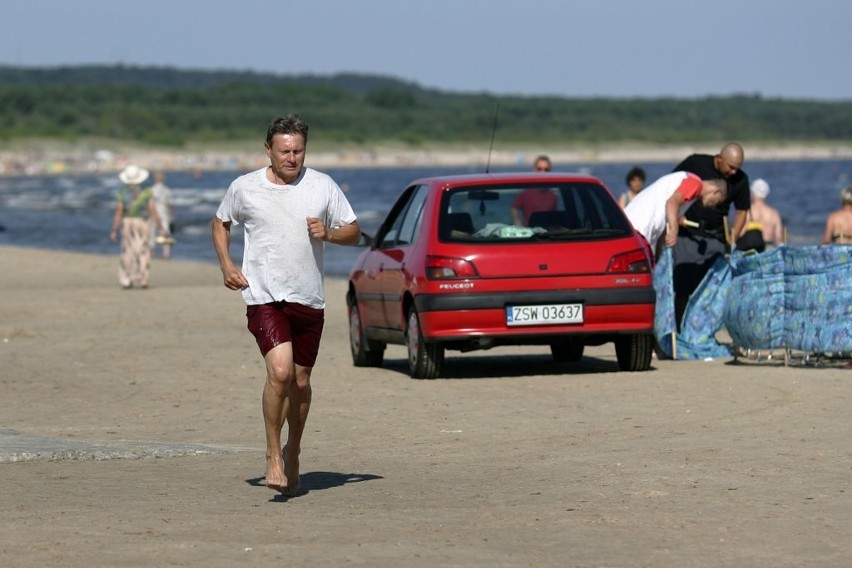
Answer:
(58, 159)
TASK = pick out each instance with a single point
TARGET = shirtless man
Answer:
(765, 215)
(838, 226)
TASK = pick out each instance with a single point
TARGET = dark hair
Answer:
(635, 172)
(290, 124)
(546, 160)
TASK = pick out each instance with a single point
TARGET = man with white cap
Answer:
(763, 216)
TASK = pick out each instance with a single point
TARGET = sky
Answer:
(631, 48)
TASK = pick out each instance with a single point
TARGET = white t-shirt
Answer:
(163, 202)
(647, 211)
(281, 261)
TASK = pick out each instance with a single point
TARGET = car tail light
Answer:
(633, 261)
(445, 267)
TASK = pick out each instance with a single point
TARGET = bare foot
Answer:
(275, 474)
(291, 471)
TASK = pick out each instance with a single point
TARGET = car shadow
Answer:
(316, 481)
(510, 366)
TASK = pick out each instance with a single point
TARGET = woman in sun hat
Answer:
(133, 207)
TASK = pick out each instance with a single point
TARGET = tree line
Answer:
(172, 107)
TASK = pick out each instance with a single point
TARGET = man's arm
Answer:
(740, 218)
(344, 235)
(778, 229)
(116, 220)
(232, 276)
(742, 203)
(829, 225)
(673, 205)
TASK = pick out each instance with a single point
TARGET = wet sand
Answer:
(511, 460)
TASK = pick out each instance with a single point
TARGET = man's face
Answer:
(542, 166)
(286, 156)
(727, 166)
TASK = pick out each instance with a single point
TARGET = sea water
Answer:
(74, 212)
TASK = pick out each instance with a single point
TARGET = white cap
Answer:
(760, 188)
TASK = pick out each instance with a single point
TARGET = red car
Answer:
(477, 261)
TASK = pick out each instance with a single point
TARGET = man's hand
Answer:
(234, 279)
(317, 229)
(671, 237)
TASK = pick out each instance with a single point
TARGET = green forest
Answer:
(164, 106)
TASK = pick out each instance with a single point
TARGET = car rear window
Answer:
(531, 212)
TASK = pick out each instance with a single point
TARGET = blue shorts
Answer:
(279, 322)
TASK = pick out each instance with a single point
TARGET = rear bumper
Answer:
(463, 316)
(499, 300)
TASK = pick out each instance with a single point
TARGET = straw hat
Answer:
(133, 175)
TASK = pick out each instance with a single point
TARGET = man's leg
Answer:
(299, 404)
(694, 256)
(280, 372)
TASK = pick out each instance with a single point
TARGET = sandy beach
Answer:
(131, 435)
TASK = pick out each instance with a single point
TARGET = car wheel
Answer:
(567, 351)
(634, 352)
(364, 353)
(424, 359)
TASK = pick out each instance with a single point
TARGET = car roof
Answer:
(506, 177)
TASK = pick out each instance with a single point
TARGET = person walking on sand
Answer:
(838, 225)
(134, 207)
(289, 212)
(165, 209)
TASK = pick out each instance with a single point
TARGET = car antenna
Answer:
(493, 132)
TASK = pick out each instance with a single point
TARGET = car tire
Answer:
(425, 359)
(634, 352)
(365, 353)
(567, 351)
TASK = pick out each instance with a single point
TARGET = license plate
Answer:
(544, 314)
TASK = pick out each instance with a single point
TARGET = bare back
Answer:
(838, 227)
(770, 220)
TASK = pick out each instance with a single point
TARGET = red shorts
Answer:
(280, 322)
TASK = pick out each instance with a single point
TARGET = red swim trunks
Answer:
(280, 322)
